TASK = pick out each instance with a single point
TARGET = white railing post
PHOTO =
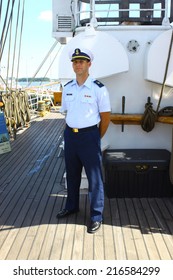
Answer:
(76, 13)
(93, 20)
(166, 19)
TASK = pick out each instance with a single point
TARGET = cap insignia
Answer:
(77, 51)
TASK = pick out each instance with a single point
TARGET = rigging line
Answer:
(3, 29)
(20, 42)
(109, 9)
(4, 82)
(51, 49)
(2, 43)
(52, 63)
(8, 59)
(166, 72)
(0, 9)
(9, 51)
(15, 42)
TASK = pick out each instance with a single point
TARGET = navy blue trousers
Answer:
(83, 149)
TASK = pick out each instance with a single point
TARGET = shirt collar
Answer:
(87, 83)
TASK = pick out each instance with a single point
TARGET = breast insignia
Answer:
(98, 83)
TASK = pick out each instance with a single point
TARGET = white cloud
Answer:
(45, 16)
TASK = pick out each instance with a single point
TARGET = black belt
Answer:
(76, 130)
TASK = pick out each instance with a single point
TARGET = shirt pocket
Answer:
(69, 97)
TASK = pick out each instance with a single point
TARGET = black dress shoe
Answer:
(64, 213)
(94, 226)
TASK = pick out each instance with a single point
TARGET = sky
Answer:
(36, 38)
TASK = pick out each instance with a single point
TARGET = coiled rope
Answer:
(15, 102)
(149, 117)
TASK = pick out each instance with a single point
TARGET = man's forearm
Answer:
(104, 123)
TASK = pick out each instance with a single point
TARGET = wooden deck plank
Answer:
(19, 156)
(164, 219)
(27, 250)
(46, 214)
(126, 231)
(136, 232)
(46, 192)
(164, 214)
(51, 231)
(68, 243)
(152, 248)
(77, 253)
(117, 231)
(30, 149)
(11, 236)
(20, 240)
(108, 233)
(88, 246)
(58, 241)
(21, 196)
(23, 180)
(99, 245)
(156, 230)
(30, 237)
(28, 234)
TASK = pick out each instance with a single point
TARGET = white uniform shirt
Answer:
(84, 104)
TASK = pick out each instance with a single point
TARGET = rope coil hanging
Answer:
(15, 102)
(149, 117)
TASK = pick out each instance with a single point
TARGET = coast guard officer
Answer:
(86, 102)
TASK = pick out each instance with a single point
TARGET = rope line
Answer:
(6, 25)
(49, 52)
(150, 116)
(15, 42)
(51, 64)
(20, 42)
(0, 9)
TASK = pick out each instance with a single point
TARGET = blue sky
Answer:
(36, 39)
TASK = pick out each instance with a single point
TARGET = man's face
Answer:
(81, 66)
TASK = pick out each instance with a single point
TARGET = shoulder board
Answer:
(68, 83)
(98, 83)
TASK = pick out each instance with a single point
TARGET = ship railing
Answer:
(35, 96)
(156, 12)
(42, 92)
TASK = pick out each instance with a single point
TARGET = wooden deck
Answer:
(32, 191)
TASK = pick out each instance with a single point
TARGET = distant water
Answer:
(47, 85)
(25, 84)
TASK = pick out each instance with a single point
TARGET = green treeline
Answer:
(41, 79)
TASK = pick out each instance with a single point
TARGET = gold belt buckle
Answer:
(75, 130)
